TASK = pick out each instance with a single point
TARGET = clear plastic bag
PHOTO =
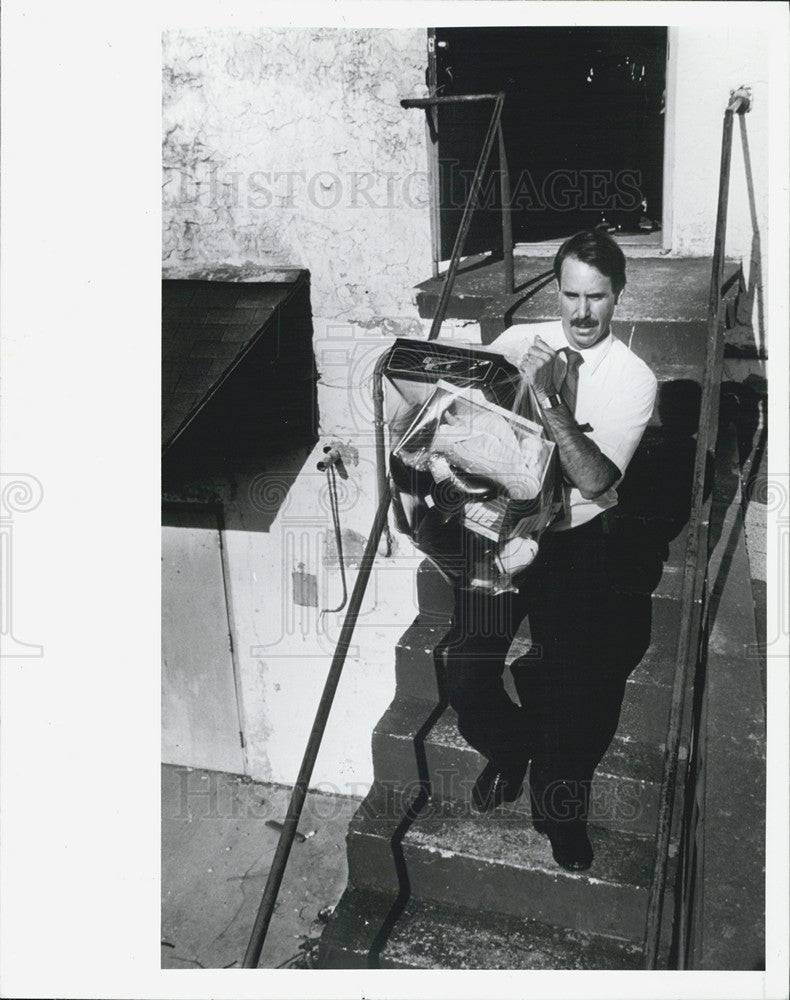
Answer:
(467, 467)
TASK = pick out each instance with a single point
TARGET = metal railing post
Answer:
(382, 483)
(471, 201)
(507, 222)
(696, 551)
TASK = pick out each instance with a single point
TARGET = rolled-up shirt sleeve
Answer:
(617, 392)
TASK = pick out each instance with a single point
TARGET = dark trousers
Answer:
(569, 684)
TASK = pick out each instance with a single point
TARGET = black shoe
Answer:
(570, 844)
(494, 787)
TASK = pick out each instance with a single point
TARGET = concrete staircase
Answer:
(432, 883)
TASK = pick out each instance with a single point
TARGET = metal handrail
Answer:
(695, 565)
(494, 131)
(379, 527)
(288, 832)
(693, 581)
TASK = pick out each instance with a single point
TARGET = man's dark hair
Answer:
(596, 248)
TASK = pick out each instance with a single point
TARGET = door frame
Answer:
(218, 511)
(670, 111)
(668, 165)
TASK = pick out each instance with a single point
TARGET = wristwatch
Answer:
(551, 402)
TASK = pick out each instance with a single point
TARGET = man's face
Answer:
(586, 303)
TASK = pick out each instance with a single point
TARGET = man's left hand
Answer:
(537, 367)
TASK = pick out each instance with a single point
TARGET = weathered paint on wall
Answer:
(278, 521)
(290, 146)
(711, 62)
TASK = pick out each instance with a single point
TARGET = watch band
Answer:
(551, 402)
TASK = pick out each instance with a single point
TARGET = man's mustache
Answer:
(584, 324)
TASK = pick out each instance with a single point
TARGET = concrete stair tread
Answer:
(504, 839)
(626, 757)
(648, 690)
(669, 371)
(496, 862)
(429, 935)
(625, 789)
(414, 654)
(423, 635)
(657, 666)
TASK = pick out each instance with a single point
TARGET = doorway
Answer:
(583, 124)
(201, 711)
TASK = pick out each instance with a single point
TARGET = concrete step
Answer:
(677, 403)
(417, 675)
(645, 713)
(659, 288)
(647, 556)
(647, 549)
(625, 790)
(429, 935)
(497, 862)
(434, 596)
(662, 314)
(656, 616)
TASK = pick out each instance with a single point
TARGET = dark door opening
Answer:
(583, 123)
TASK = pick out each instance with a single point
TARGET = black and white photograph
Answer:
(430, 543)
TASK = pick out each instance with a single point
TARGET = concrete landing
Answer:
(673, 289)
(216, 853)
(667, 295)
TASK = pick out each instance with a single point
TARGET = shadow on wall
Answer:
(250, 491)
(239, 403)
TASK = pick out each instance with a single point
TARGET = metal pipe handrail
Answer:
(466, 218)
(429, 102)
(382, 483)
(507, 222)
(695, 565)
(494, 130)
(380, 526)
(288, 832)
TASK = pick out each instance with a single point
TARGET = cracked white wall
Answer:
(289, 146)
(708, 63)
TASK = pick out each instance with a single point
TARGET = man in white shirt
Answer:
(597, 398)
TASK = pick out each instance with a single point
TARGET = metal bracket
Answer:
(740, 100)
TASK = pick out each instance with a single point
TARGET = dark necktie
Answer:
(570, 384)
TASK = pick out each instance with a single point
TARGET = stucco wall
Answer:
(710, 62)
(289, 146)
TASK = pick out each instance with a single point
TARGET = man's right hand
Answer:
(537, 367)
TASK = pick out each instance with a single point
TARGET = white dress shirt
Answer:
(616, 395)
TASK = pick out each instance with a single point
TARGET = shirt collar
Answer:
(592, 356)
